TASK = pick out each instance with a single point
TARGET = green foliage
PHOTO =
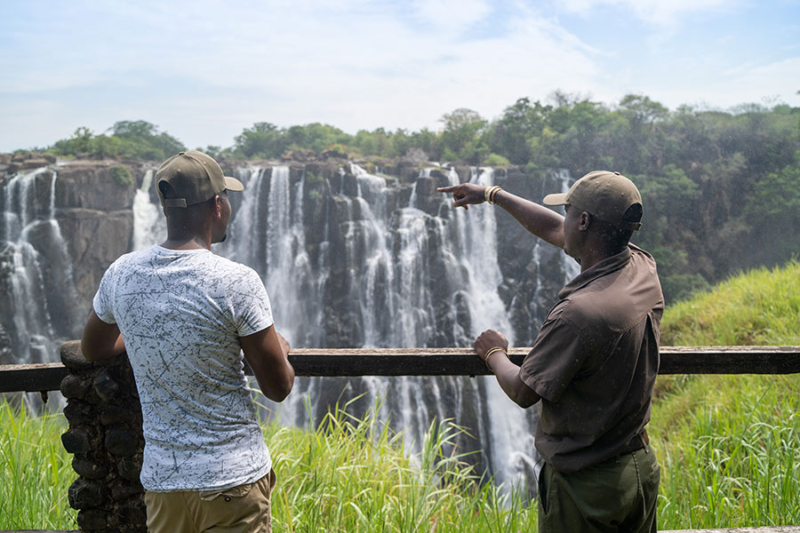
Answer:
(36, 471)
(121, 175)
(728, 445)
(137, 139)
(461, 137)
(760, 307)
(496, 160)
(266, 140)
(351, 474)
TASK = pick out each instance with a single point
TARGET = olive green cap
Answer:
(606, 195)
(195, 177)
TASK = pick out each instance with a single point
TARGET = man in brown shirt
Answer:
(594, 362)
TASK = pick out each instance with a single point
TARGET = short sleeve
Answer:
(250, 303)
(556, 356)
(103, 302)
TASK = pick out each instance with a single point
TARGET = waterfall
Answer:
(348, 262)
(149, 226)
(37, 290)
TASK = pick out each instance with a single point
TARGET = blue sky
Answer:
(204, 70)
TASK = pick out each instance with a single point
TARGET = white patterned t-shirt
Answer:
(181, 313)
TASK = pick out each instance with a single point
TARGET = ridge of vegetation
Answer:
(729, 446)
(721, 189)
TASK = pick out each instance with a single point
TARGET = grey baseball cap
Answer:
(195, 177)
(606, 195)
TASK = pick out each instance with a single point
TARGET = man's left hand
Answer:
(487, 340)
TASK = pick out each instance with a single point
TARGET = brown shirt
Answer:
(595, 361)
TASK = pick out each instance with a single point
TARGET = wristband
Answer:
(490, 353)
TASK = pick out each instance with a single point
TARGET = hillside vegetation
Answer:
(729, 446)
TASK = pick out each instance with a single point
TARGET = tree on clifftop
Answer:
(137, 138)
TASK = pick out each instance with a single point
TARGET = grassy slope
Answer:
(729, 445)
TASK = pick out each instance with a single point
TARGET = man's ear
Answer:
(217, 207)
(584, 221)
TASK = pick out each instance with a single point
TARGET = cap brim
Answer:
(556, 199)
(232, 184)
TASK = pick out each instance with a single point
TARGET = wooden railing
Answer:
(454, 362)
(457, 362)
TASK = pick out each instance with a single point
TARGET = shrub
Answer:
(121, 176)
(496, 160)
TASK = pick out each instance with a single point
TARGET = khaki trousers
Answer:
(619, 495)
(242, 509)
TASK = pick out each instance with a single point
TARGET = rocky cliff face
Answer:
(62, 225)
(94, 214)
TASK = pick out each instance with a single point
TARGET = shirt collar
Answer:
(603, 268)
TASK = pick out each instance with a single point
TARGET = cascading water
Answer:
(352, 261)
(149, 226)
(35, 272)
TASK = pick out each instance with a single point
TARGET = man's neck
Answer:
(194, 243)
(595, 255)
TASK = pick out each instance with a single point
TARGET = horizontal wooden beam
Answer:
(31, 378)
(454, 362)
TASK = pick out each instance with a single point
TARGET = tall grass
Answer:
(729, 446)
(35, 471)
(352, 475)
(349, 475)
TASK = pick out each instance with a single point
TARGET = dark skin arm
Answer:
(545, 224)
(537, 219)
(267, 353)
(100, 340)
(507, 373)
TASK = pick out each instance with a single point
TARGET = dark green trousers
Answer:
(619, 495)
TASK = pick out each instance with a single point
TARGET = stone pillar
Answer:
(105, 436)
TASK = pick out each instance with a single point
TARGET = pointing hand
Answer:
(465, 194)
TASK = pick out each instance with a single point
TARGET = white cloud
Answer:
(203, 70)
(658, 12)
(452, 13)
(360, 67)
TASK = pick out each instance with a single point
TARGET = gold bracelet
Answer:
(486, 192)
(493, 195)
(490, 353)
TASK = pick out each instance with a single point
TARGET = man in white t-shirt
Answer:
(186, 316)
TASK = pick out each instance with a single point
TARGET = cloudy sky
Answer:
(203, 70)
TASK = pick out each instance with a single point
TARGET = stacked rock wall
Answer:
(105, 436)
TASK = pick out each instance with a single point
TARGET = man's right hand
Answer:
(465, 194)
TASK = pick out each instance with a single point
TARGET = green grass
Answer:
(761, 307)
(348, 475)
(352, 475)
(729, 446)
(35, 471)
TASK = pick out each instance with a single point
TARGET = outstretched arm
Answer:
(539, 220)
